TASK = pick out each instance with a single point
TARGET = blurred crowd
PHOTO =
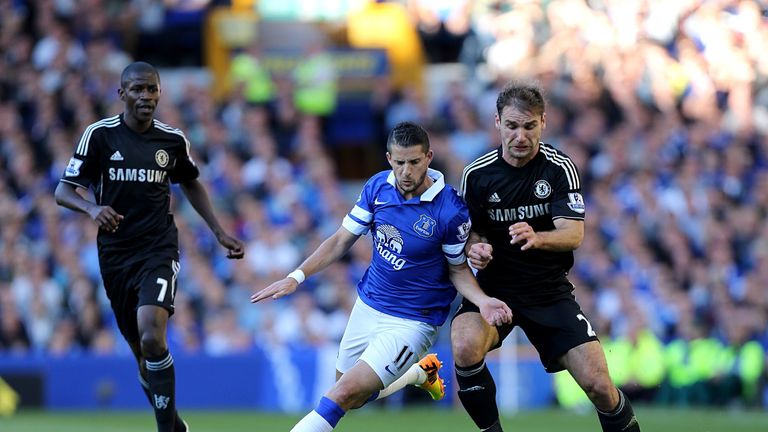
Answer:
(662, 105)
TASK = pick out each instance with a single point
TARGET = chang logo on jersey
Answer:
(519, 213)
(137, 175)
(542, 189)
(389, 244)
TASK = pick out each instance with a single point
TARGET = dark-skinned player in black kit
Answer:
(130, 161)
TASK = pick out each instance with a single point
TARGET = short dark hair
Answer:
(134, 68)
(408, 134)
(526, 96)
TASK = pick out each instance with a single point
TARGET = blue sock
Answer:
(330, 411)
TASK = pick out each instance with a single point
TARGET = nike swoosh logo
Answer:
(387, 369)
(377, 202)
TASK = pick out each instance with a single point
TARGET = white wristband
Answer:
(297, 275)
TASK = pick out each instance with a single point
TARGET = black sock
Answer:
(621, 419)
(162, 386)
(477, 393)
(180, 427)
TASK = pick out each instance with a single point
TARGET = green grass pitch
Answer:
(386, 420)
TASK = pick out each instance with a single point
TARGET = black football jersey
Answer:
(499, 195)
(132, 172)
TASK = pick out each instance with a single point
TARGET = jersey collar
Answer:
(431, 193)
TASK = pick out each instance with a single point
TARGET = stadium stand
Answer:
(662, 105)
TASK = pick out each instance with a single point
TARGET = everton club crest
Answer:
(425, 226)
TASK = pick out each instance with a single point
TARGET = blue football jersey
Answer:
(413, 243)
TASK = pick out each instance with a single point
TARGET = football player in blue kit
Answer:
(419, 226)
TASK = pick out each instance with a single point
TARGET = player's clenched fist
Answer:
(480, 254)
(105, 217)
(235, 248)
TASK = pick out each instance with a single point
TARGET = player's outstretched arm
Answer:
(330, 250)
(105, 216)
(494, 311)
(198, 197)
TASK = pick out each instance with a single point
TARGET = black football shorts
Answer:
(148, 282)
(553, 328)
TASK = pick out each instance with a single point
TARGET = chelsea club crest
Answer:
(161, 157)
(542, 189)
(425, 226)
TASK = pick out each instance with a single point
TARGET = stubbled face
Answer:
(410, 167)
(520, 134)
(141, 95)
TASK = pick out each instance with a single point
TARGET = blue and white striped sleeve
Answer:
(358, 220)
(456, 237)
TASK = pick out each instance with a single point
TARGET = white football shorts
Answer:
(388, 344)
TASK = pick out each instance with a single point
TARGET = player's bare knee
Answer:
(346, 397)
(607, 392)
(152, 344)
(467, 352)
(601, 392)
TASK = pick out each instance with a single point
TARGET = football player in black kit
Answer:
(130, 160)
(527, 216)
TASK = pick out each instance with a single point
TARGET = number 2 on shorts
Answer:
(590, 332)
